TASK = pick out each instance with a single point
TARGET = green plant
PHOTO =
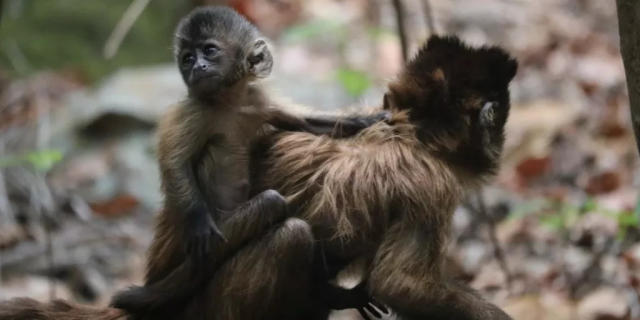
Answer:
(41, 160)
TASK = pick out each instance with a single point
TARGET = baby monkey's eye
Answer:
(210, 49)
(188, 58)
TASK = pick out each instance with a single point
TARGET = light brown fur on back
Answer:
(378, 175)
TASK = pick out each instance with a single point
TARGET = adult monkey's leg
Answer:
(406, 276)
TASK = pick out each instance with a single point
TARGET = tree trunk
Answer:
(629, 28)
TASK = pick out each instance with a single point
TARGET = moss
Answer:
(70, 34)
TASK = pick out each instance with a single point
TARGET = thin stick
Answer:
(1, 10)
(402, 32)
(428, 17)
(497, 250)
(50, 262)
(122, 28)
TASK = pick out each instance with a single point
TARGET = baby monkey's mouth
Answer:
(198, 77)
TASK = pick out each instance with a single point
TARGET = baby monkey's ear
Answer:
(259, 60)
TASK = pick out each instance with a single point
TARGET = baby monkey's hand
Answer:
(200, 231)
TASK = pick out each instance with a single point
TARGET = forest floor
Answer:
(553, 236)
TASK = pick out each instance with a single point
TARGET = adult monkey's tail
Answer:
(29, 309)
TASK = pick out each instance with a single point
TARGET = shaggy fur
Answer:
(29, 309)
(385, 196)
(389, 193)
(203, 154)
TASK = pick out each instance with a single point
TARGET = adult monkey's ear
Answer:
(388, 102)
(259, 61)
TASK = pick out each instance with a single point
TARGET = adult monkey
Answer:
(385, 196)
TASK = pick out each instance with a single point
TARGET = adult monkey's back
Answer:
(385, 196)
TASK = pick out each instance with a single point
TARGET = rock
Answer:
(37, 287)
(605, 303)
(546, 306)
(471, 255)
(593, 229)
(144, 93)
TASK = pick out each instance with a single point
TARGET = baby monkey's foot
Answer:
(368, 305)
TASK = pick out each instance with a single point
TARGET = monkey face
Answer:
(202, 65)
(454, 93)
(216, 48)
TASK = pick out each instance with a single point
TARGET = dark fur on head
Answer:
(445, 87)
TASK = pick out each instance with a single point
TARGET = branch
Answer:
(629, 29)
(129, 17)
(1, 10)
(498, 253)
(428, 17)
(402, 32)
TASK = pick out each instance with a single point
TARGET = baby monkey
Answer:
(204, 143)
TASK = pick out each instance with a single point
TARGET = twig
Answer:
(1, 10)
(498, 253)
(129, 17)
(15, 56)
(14, 259)
(50, 262)
(402, 31)
(428, 17)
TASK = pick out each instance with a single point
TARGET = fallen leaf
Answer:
(531, 168)
(120, 205)
(603, 183)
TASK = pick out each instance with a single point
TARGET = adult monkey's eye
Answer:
(188, 58)
(210, 49)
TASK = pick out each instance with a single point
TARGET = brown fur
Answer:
(29, 309)
(384, 196)
(185, 134)
(203, 155)
(389, 193)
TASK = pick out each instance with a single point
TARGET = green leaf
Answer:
(44, 160)
(312, 29)
(627, 219)
(353, 81)
(589, 205)
(521, 210)
(553, 221)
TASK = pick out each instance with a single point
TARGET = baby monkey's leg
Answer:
(253, 218)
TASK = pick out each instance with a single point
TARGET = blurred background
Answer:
(82, 84)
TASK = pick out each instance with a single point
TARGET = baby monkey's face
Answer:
(217, 48)
(203, 64)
